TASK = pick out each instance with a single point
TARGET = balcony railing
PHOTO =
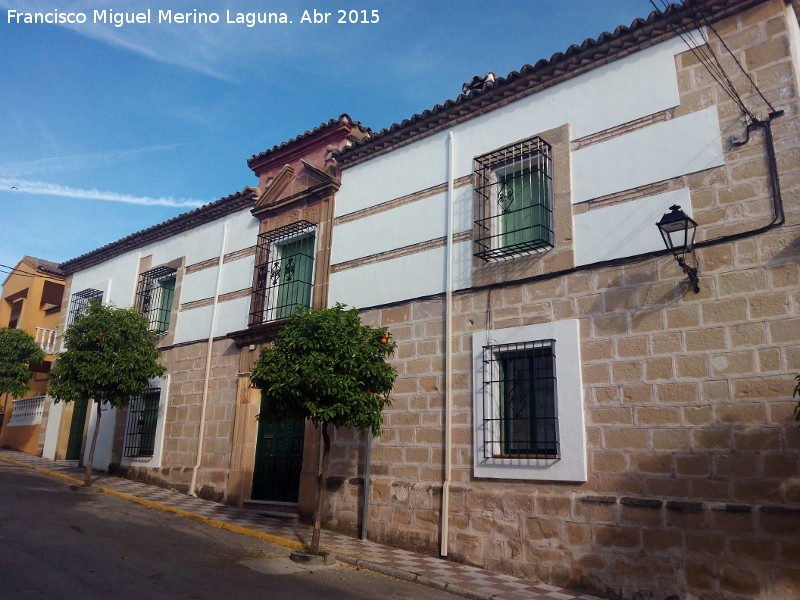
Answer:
(27, 411)
(46, 338)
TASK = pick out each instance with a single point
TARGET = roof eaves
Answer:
(544, 73)
(183, 222)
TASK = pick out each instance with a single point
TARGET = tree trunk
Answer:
(87, 478)
(321, 483)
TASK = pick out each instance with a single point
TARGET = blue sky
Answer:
(108, 130)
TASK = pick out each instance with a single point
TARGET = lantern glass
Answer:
(677, 230)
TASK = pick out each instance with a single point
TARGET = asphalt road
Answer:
(62, 542)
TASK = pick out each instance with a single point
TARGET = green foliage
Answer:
(18, 350)
(110, 356)
(325, 366)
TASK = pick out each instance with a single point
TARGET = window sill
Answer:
(521, 456)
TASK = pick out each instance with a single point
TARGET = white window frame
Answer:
(153, 461)
(571, 464)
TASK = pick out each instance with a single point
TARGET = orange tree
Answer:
(18, 350)
(327, 367)
(110, 356)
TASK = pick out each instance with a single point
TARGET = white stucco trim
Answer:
(51, 429)
(571, 465)
(154, 461)
(662, 151)
(633, 225)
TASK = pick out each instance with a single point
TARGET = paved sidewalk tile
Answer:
(409, 565)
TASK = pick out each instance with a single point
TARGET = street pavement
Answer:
(435, 573)
(65, 542)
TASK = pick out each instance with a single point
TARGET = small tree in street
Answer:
(110, 356)
(18, 350)
(328, 368)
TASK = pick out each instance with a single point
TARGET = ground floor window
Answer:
(140, 432)
(523, 421)
(528, 403)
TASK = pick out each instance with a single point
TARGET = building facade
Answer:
(215, 284)
(31, 301)
(568, 408)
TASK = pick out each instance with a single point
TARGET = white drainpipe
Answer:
(448, 360)
(207, 377)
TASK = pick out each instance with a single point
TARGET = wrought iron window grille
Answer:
(520, 407)
(80, 301)
(154, 295)
(284, 272)
(140, 430)
(513, 200)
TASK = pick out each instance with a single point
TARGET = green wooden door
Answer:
(279, 459)
(75, 440)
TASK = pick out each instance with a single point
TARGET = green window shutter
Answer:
(520, 197)
(297, 268)
(528, 410)
(167, 292)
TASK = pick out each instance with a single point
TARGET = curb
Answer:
(423, 580)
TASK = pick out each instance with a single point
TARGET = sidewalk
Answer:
(471, 582)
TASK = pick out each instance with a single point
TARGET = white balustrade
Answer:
(27, 411)
(46, 338)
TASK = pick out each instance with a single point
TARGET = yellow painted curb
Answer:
(41, 470)
(267, 537)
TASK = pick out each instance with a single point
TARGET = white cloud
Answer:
(75, 161)
(23, 186)
(219, 50)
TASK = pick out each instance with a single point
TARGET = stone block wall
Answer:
(186, 367)
(693, 452)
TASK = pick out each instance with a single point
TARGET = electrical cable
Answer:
(707, 57)
(738, 64)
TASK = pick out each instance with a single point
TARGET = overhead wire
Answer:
(707, 57)
(9, 270)
(736, 60)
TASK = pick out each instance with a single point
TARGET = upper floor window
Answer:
(514, 200)
(284, 273)
(80, 301)
(154, 296)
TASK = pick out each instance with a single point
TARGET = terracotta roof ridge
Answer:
(545, 68)
(344, 118)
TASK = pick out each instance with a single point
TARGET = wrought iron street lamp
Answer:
(677, 230)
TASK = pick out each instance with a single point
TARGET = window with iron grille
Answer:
(514, 205)
(154, 296)
(284, 273)
(80, 301)
(140, 430)
(528, 413)
(520, 400)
